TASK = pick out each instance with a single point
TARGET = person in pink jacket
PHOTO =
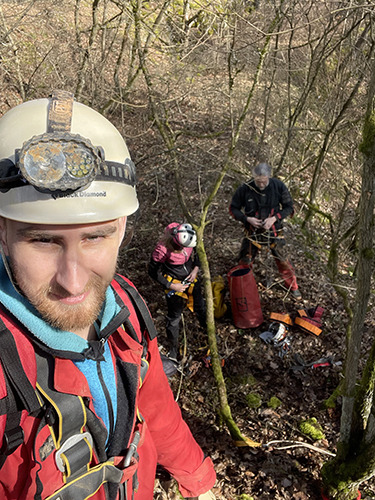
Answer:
(86, 410)
(175, 265)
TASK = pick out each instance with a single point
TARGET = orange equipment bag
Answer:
(244, 298)
(310, 320)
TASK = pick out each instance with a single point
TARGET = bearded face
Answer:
(64, 271)
(58, 308)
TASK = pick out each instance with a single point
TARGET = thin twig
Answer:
(297, 444)
(157, 190)
(183, 358)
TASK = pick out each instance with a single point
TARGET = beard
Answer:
(66, 317)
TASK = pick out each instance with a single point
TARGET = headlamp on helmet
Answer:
(59, 162)
(62, 162)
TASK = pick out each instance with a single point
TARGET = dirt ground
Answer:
(285, 466)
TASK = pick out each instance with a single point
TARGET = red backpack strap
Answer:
(138, 303)
(127, 291)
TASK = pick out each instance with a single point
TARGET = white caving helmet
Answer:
(62, 162)
(279, 331)
(184, 235)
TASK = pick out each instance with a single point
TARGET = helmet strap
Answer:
(129, 233)
(176, 245)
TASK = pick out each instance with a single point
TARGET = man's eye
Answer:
(42, 240)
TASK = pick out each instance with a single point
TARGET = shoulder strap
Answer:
(15, 373)
(21, 394)
(13, 433)
(73, 438)
(140, 306)
(73, 443)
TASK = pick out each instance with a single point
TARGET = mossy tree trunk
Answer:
(355, 459)
(224, 408)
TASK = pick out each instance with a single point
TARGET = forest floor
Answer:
(278, 469)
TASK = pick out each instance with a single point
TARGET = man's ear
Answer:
(122, 228)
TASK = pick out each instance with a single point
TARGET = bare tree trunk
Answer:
(355, 461)
(8, 40)
(318, 53)
(95, 26)
(329, 135)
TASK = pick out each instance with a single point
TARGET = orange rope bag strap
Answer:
(282, 317)
(308, 323)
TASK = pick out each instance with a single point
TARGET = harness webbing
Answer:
(20, 394)
(15, 373)
(86, 485)
(140, 306)
(263, 239)
(186, 294)
(308, 323)
(74, 445)
(282, 317)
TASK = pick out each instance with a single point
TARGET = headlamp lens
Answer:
(79, 162)
(57, 163)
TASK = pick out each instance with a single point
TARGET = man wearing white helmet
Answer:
(85, 408)
(175, 266)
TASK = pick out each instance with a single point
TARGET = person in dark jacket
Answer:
(175, 265)
(261, 204)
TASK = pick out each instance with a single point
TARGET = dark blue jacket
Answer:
(249, 201)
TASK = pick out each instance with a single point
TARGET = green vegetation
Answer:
(274, 402)
(312, 429)
(253, 400)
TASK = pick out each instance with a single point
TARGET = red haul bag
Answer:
(244, 298)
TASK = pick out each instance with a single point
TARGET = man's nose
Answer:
(72, 274)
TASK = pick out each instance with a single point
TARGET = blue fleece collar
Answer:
(56, 339)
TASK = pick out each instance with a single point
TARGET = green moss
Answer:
(246, 379)
(368, 135)
(368, 253)
(253, 400)
(244, 497)
(312, 429)
(310, 255)
(274, 402)
(330, 403)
